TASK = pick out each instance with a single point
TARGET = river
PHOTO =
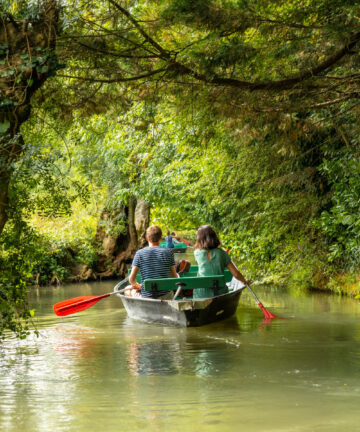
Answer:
(100, 371)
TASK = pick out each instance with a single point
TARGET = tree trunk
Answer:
(142, 221)
(118, 249)
(133, 240)
(10, 149)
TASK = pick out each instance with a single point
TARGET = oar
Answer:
(267, 314)
(78, 304)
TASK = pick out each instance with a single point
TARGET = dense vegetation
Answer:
(241, 114)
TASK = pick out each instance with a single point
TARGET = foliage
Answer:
(18, 249)
(240, 114)
(340, 222)
(266, 187)
(38, 186)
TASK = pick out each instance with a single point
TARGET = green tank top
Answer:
(216, 265)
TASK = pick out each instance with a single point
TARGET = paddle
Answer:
(267, 314)
(78, 304)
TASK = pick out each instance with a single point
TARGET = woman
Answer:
(212, 260)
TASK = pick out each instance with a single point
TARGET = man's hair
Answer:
(206, 238)
(154, 233)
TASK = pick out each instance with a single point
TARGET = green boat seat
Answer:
(191, 273)
(214, 283)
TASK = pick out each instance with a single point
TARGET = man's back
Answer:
(154, 263)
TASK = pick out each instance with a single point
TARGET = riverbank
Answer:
(64, 266)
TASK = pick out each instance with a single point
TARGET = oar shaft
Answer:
(121, 291)
(254, 295)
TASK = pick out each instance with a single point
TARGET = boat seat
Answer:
(189, 274)
(192, 273)
(172, 284)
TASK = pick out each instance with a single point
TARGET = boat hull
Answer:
(179, 250)
(183, 313)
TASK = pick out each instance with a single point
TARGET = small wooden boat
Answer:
(183, 310)
(178, 247)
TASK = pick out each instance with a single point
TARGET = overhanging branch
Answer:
(284, 84)
(118, 79)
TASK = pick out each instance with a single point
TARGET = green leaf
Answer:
(4, 126)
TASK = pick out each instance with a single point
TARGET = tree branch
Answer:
(115, 80)
(284, 84)
(147, 37)
(280, 84)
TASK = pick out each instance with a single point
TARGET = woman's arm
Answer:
(236, 273)
(132, 278)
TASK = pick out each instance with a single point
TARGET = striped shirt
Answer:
(154, 263)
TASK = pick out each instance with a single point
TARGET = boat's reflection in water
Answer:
(198, 351)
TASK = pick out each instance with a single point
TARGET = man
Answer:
(154, 262)
(174, 238)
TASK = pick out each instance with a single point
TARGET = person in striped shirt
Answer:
(154, 262)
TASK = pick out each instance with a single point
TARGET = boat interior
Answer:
(189, 285)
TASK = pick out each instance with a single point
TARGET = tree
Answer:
(296, 56)
(27, 60)
(110, 156)
(271, 85)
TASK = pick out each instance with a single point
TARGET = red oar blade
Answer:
(77, 304)
(267, 314)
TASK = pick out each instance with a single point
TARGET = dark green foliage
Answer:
(340, 223)
(19, 247)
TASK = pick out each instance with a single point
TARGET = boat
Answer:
(178, 247)
(184, 310)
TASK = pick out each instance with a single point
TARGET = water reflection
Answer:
(101, 370)
(162, 351)
(154, 358)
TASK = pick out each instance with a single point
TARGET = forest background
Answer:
(116, 114)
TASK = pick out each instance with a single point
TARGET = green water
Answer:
(100, 371)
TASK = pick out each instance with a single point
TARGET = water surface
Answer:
(101, 371)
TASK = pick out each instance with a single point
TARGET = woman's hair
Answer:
(168, 233)
(154, 233)
(206, 238)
